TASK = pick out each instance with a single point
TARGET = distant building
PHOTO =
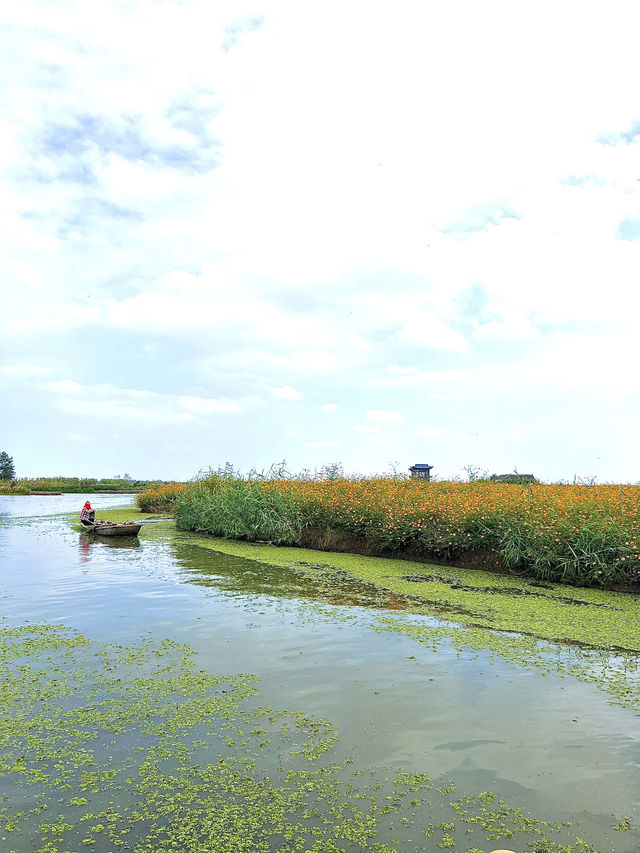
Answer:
(420, 469)
(514, 478)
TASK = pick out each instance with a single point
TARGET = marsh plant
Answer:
(240, 508)
(583, 535)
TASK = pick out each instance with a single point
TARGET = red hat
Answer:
(87, 505)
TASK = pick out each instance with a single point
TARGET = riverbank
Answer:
(510, 619)
(585, 536)
(363, 696)
(73, 485)
(475, 598)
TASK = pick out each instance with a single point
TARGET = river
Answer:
(549, 745)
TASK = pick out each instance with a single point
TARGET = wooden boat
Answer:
(113, 528)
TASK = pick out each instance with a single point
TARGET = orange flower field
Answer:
(160, 498)
(586, 535)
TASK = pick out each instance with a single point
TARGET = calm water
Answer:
(551, 745)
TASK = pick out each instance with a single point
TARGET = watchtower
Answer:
(421, 470)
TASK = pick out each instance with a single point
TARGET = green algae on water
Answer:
(504, 616)
(514, 619)
(133, 748)
(597, 618)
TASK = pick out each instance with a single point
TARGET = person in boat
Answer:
(87, 515)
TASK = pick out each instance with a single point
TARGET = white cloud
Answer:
(286, 392)
(453, 395)
(108, 401)
(151, 217)
(505, 323)
(202, 406)
(379, 442)
(122, 409)
(66, 386)
(589, 364)
(632, 438)
(432, 432)
(23, 370)
(82, 438)
(325, 443)
(384, 416)
(43, 317)
(427, 330)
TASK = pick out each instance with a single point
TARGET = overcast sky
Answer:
(368, 232)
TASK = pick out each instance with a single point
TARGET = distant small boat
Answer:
(113, 528)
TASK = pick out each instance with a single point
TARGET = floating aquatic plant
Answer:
(134, 748)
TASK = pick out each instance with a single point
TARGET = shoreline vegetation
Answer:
(73, 485)
(579, 535)
(590, 635)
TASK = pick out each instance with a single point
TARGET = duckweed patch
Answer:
(596, 618)
(615, 674)
(591, 617)
(133, 748)
(529, 589)
(596, 631)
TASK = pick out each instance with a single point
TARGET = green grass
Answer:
(7, 487)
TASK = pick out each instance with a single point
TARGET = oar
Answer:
(138, 521)
(151, 520)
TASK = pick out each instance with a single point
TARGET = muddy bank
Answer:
(480, 559)
(329, 540)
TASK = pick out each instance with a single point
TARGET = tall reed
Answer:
(240, 509)
(570, 533)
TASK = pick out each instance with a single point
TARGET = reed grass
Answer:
(582, 535)
(13, 487)
(239, 508)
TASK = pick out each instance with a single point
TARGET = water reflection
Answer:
(242, 577)
(610, 670)
(86, 543)
(131, 543)
(85, 549)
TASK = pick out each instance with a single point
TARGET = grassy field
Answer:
(584, 535)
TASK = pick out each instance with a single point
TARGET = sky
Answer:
(372, 234)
